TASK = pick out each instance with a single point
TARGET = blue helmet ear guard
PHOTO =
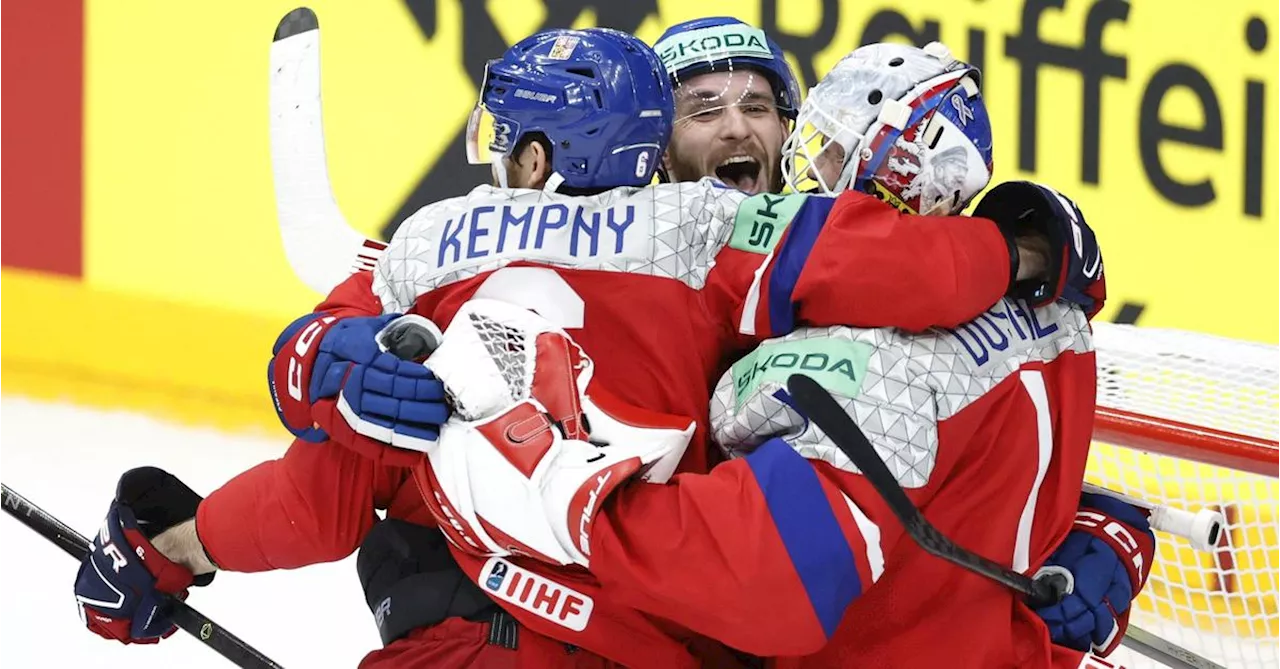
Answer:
(725, 44)
(600, 97)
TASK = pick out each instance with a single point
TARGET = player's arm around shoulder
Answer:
(873, 266)
(854, 260)
(767, 551)
(753, 554)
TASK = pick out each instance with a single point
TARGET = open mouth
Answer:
(740, 172)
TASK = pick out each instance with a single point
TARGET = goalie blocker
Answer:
(548, 444)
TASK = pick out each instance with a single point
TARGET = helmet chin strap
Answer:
(553, 182)
(498, 163)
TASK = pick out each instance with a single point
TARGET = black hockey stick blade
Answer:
(190, 620)
(823, 409)
(296, 22)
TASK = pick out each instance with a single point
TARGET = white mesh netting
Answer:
(1220, 604)
(485, 358)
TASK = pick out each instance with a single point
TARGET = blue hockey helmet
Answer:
(726, 44)
(599, 96)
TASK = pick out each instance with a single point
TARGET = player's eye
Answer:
(705, 115)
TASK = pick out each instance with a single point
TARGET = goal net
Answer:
(1191, 421)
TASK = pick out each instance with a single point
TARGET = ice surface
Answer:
(66, 459)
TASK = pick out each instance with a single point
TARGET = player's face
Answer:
(827, 164)
(728, 127)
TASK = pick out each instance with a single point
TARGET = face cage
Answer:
(814, 133)
(825, 130)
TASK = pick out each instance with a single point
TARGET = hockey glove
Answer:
(343, 383)
(1106, 558)
(1074, 272)
(121, 583)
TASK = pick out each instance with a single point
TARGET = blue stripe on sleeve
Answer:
(789, 260)
(814, 541)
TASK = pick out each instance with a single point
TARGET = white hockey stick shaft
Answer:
(1202, 528)
(322, 248)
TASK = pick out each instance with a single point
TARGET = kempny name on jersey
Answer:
(558, 232)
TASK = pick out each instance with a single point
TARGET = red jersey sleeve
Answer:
(313, 505)
(764, 554)
(353, 297)
(854, 260)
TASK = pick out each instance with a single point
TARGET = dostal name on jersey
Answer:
(1003, 330)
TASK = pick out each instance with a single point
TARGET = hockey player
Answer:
(573, 112)
(722, 77)
(786, 548)
(736, 99)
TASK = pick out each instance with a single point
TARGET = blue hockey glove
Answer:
(1074, 270)
(1106, 558)
(360, 382)
(121, 584)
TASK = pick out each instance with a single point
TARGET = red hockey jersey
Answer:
(664, 287)
(788, 551)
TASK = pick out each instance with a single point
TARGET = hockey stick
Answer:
(1201, 529)
(321, 246)
(820, 407)
(823, 409)
(190, 620)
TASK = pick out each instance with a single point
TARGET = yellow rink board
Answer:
(61, 339)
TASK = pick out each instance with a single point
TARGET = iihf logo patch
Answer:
(538, 594)
(496, 576)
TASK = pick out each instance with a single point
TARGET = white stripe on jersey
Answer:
(1033, 381)
(871, 537)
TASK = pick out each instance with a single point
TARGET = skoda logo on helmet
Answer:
(710, 44)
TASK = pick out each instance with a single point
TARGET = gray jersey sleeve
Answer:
(896, 385)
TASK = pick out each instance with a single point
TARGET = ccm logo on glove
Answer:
(309, 336)
(1123, 537)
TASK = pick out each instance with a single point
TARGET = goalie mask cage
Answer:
(1191, 420)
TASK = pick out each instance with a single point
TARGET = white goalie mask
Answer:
(905, 124)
